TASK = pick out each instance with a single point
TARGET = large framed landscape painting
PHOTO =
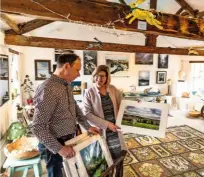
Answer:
(143, 118)
(92, 157)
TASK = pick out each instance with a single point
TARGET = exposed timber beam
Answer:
(82, 45)
(201, 14)
(187, 7)
(151, 40)
(179, 11)
(153, 4)
(122, 1)
(10, 22)
(29, 26)
(100, 13)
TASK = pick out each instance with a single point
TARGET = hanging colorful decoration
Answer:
(141, 14)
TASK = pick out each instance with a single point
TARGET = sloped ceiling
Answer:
(168, 6)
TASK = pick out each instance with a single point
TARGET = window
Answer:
(197, 76)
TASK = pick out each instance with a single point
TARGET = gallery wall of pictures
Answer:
(141, 70)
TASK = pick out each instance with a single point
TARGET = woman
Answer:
(101, 105)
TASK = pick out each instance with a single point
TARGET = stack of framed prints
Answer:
(144, 118)
(92, 157)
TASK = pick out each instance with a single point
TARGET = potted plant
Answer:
(27, 88)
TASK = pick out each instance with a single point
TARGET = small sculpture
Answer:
(150, 92)
(97, 44)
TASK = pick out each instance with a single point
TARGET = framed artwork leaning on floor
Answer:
(145, 118)
(92, 157)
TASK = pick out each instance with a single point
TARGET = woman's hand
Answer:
(93, 130)
(113, 127)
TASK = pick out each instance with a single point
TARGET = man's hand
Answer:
(93, 130)
(113, 127)
(67, 151)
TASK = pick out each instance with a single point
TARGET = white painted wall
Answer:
(86, 33)
(8, 111)
(32, 53)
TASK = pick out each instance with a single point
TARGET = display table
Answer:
(24, 165)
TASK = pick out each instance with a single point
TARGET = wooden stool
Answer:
(24, 165)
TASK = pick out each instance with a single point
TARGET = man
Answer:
(56, 114)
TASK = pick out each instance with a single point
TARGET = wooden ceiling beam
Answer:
(151, 40)
(187, 7)
(29, 26)
(179, 11)
(11, 23)
(33, 24)
(101, 13)
(153, 4)
(122, 1)
(201, 14)
(82, 45)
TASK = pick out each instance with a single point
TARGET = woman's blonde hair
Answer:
(103, 68)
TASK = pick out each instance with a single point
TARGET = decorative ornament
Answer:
(139, 14)
(192, 51)
(95, 44)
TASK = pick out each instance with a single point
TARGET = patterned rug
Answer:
(179, 154)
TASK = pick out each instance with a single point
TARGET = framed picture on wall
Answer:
(144, 77)
(4, 67)
(161, 77)
(42, 69)
(163, 60)
(90, 61)
(118, 64)
(144, 58)
(76, 86)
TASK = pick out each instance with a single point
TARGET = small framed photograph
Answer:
(76, 86)
(144, 78)
(161, 77)
(118, 64)
(145, 118)
(90, 61)
(144, 58)
(92, 157)
(163, 61)
(42, 69)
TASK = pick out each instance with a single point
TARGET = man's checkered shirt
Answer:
(56, 112)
